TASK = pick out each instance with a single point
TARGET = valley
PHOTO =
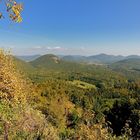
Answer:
(69, 92)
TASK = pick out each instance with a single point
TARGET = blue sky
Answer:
(82, 27)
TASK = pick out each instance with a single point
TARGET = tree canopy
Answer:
(13, 9)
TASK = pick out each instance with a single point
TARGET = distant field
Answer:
(82, 85)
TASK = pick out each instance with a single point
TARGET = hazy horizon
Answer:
(74, 54)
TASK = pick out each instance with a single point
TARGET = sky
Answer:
(74, 27)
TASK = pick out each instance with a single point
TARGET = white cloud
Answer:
(54, 48)
(45, 50)
(57, 47)
(37, 47)
(119, 48)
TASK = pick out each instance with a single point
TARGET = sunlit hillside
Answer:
(94, 103)
(70, 70)
(19, 119)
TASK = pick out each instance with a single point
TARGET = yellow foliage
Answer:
(95, 132)
(14, 9)
(18, 119)
(10, 81)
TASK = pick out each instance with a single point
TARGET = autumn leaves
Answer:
(14, 10)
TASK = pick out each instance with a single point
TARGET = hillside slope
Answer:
(52, 62)
(23, 66)
(129, 67)
(130, 64)
(18, 117)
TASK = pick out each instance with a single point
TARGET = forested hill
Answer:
(128, 67)
(50, 98)
(128, 64)
(22, 65)
(93, 59)
(50, 61)
(58, 68)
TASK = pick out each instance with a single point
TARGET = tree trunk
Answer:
(6, 131)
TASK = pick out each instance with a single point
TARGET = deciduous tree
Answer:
(13, 9)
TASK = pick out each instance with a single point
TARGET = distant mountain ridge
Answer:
(93, 59)
(129, 64)
(76, 58)
(53, 62)
(133, 56)
(28, 58)
(104, 58)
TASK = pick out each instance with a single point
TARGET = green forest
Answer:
(69, 97)
(50, 98)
